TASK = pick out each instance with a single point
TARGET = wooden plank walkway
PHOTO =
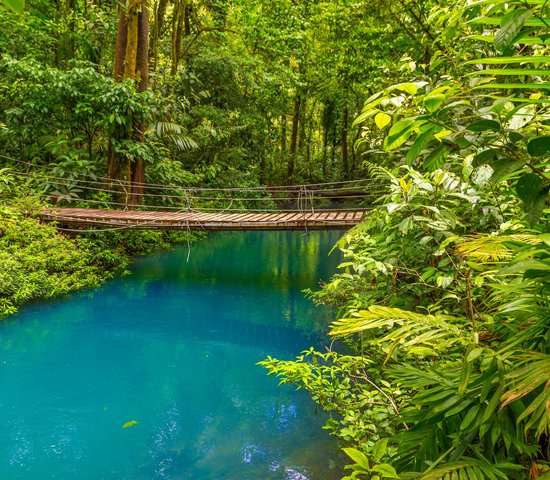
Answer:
(86, 217)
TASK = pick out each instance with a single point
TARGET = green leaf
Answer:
(436, 158)
(382, 119)
(358, 457)
(16, 5)
(379, 449)
(528, 186)
(512, 71)
(484, 125)
(513, 86)
(410, 88)
(386, 470)
(364, 116)
(399, 133)
(507, 60)
(433, 102)
(511, 26)
(539, 146)
(469, 417)
(421, 141)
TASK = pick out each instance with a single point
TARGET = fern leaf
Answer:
(491, 248)
(418, 333)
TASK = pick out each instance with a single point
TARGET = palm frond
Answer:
(534, 374)
(419, 333)
(174, 133)
(491, 248)
(469, 468)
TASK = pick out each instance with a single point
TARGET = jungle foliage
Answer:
(37, 262)
(443, 296)
(443, 299)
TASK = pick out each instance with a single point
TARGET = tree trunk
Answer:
(294, 139)
(283, 134)
(122, 39)
(344, 140)
(130, 56)
(180, 9)
(141, 75)
(156, 33)
(131, 61)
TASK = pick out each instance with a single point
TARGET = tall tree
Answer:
(131, 62)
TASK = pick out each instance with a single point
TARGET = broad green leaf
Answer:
(512, 71)
(532, 22)
(421, 141)
(519, 41)
(382, 119)
(511, 26)
(386, 470)
(533, 191)
(399, 133)
(505, 168)
(436, 158)
(442, 134)
(528, 186)
(364, 116)
(513, 86)
(15, 5)
(410, 88)
(508, 60)
(469, 417)
(433, 102)
(358, 457)
(539, 146)
(475, 353)
(379, 449)
(464, 377)
(484, 125)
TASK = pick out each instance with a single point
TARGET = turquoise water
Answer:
(174, 348)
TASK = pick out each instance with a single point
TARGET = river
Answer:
(154, 375)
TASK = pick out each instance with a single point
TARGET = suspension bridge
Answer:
(84, 202)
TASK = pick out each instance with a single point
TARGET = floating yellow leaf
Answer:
(131, 423)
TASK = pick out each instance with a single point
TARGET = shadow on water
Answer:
(173, 347)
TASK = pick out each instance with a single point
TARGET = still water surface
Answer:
(174, 348)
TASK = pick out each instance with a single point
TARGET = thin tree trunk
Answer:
(180, 8)
(156, 33)
(294, 139)
(344, 139)
(283, 134)
(187, 16)
(122, 39)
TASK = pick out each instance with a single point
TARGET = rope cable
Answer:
(161, 186)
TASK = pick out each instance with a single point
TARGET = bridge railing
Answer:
(87, 190)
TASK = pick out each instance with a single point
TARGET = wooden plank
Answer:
(203, 220)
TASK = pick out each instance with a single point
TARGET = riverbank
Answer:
(39, 262)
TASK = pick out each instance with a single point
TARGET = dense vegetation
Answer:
(37, 262)
(443, 296)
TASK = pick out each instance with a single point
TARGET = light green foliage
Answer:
(15, 5)
(37, 262)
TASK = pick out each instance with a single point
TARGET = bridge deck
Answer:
(85, 217)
